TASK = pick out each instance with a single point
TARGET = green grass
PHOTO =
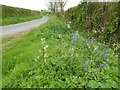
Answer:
(19, 19)
(53, 56)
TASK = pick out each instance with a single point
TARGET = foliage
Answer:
(51, 56)
(13, 15)
(97, 18)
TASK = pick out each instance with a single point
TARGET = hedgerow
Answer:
(13, 15)
(99, 19)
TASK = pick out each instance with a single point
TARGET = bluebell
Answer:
(85, 63)
(74, 59)
(84, 69)
(102, 65)
(103, 54)
(105, 49)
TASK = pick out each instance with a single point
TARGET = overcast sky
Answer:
(35, 4)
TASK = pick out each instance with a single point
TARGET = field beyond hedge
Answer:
(52, 56)
(13, 15)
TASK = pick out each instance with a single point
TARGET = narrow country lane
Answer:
(20, 27)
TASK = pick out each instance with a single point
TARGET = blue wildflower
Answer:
(73, 41)
(96, 48)
(102, 65)
(84, 69)
(105, 49)
(103, 54)
(74, 59)
(89, 40)
(85, 63)
(75, 37)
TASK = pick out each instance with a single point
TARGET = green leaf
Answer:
(93, 84)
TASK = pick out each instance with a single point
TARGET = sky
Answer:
(36, 4)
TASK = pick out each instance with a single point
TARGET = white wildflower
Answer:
(94, 31)
(43, 42)
(68, 26)
(46, 47)
(72, 48)
(45, 55)
(42, 39)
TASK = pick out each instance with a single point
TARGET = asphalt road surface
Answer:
(10, 30)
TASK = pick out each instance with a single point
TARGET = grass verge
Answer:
(18, 19)
(53, 56)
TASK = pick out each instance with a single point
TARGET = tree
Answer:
(56, 5)
(62, 4)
